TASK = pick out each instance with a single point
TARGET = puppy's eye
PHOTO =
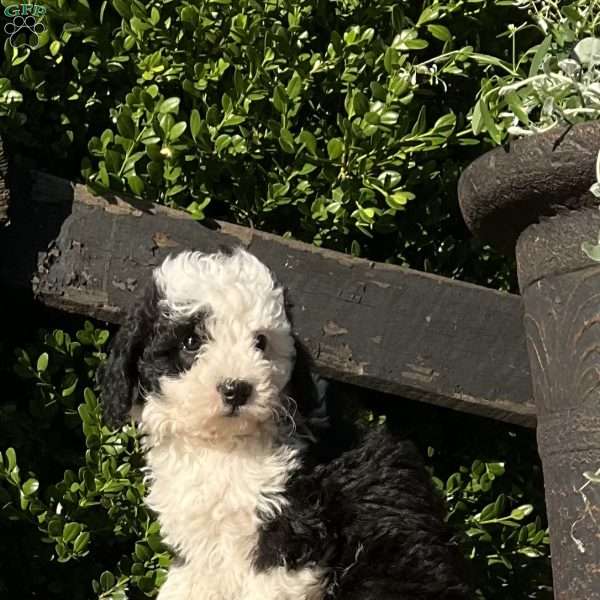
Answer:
(260, 342)
(193, 342)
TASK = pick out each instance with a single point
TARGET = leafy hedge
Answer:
(340, 123)
(73, 523)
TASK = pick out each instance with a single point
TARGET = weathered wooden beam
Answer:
(379, 326)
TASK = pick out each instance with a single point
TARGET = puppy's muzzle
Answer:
(235, 392)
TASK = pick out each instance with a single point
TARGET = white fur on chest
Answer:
(209, 501)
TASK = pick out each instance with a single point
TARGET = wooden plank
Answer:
(379, 326)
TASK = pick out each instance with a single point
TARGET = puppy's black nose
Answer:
(235, 392)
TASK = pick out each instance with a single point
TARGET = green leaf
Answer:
(125, 126)
(488, 512)
(189, 15)
(294, 86)
(417, 44)
(122, 7)
(496, 468)
(142, 552)
(360, 103)
(541, 53)
(170, 105)
(81, 542)
(309, 140)
(136, 184)
(107, 580)
(71, 531)
(222, 142)
(55, 527)
(372, 118)
(177, 130)
(71, 386)
(233, 120)
(286, 141)
(139, 26)
(440, 32)
(445, 125)
(335, 148)
(42, 362)
(420, 125)
(102, 337)
(431, 13)
(389, 117)
(521, 512)
(280, 98)
(90, 397)
(31, 486)
(154, 16)
(530, 552)
(146, 584)
(516, 106)
(398, 200)
(55, 47)
(486, 123)
(195, 123)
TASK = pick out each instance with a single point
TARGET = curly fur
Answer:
(239, 490)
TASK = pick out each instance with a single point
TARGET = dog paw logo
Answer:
(25, 27)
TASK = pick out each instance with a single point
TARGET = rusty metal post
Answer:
(534, 198)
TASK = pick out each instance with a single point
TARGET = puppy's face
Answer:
(211, 349)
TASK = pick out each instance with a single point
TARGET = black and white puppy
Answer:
(204, 362)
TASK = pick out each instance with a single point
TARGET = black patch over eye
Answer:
(193, 342)
(260, 342)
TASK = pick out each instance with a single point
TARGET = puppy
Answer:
(207, 363)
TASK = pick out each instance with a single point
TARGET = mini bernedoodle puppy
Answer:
(207, 363)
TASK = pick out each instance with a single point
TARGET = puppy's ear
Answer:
(302, 386)
(119, 376)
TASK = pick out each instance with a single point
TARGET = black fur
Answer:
(372, 518)
(147, 347)
(119, 376)
(301, 386)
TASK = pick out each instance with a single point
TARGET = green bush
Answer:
(71, 489)
(73, 523)
(342, 123)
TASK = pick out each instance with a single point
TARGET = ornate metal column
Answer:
(534, 198)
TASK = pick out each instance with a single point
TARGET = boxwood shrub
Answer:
(340, 123)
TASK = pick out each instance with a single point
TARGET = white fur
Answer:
(208, 500)
(213, 476)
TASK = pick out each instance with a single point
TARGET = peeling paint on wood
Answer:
(333, 329)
